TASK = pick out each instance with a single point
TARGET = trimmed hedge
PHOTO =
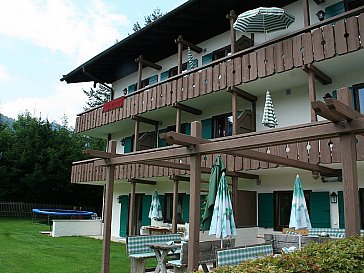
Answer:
(337, 256)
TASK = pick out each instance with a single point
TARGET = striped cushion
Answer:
(289, 232)
(138, 244)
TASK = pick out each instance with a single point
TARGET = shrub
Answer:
(337, 256)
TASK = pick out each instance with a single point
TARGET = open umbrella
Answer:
(155, 211)
(269, 115)
(223, 223)
(215, 175)
(263, 20)
(299, 218)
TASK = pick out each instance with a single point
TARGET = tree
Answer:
(148, 19)
(97, 96)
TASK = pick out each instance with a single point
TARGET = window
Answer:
(174, 70)
(221, 52)
(282, 207)
(353, 4)
(222, 125)
(168, 208)
(358, 93)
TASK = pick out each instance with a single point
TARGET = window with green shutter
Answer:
(334, 9)
(131, 88)
(124, 215)
(128, 144)
(164, 75)
(161, 142)
(320, 209)
(186, 128)
(147, 200)
(207, 128)
(186, 208)
(207, 58)
(265, 210)
(153, 79)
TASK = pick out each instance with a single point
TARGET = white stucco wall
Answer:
(76, 228)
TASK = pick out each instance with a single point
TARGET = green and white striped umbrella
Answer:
(263, 20)
(155, 211)
(299, 215)
(269, 115)
(191, 63)
(223, 223)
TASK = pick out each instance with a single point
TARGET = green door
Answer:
(186, 208)
(206, 128)
(147, 200)
(124, 216)
(320, 209)
(341, 210)
(265, 210)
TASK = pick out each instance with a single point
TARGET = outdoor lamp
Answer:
(125, 91)
(122, 141)
(119, 199)
(320, 15)
(333, 198)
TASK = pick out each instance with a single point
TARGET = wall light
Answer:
(122, 141)
(333, 198)
(125, 91)
(119, 199)
(320, 15)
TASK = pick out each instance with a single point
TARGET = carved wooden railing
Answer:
(320, 151)
(316, 43)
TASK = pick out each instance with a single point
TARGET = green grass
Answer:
(25, 250)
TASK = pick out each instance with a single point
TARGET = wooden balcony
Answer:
(316, 43)
(324, 152)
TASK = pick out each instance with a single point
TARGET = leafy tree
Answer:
(156, 14)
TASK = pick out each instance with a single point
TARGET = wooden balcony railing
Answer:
(321, 151)
(315, 43)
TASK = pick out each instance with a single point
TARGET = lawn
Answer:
(25, 250)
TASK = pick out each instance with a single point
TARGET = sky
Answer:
(41, 40)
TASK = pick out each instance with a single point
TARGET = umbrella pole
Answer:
(299, 241)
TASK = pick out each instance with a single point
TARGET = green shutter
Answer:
(206, 128)
(147, 200)
(124, 215)
(128, 145)
(334, 9)
(161, 201)
(186, 128)
(153, 79)
(265, 210)
(207, 58)
(161, 142)
(164, 75)
(341, 209)
(186, 208)
(320, 209)
(131, 88)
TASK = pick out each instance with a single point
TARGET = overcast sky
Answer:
(41, 40)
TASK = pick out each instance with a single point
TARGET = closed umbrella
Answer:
(269, 115)
(299, 218)
(223, 223)
(191, 62)
(263, 20)
(215, 176)
(155, 211)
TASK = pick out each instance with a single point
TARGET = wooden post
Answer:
(178, 120)
(110, 173)
(136, 136)
(234, 110)
(350, 183)
(180, 51)
(306, 13)
(140, 68)
(312, 92)
(232, 17)
(195, 190)
(132, 210)
(235, 194)
(175, 204)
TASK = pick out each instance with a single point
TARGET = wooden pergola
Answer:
(343, 122)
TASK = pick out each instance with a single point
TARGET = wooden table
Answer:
(158, 230)
(161, 253)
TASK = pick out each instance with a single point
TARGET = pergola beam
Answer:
(142, 181)
(322, 110)
(186, 108)
(340, 109)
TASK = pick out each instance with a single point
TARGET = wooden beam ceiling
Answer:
(186, 108)
(319, 75)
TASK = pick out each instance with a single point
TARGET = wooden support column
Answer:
(306, 13)
(136, 136)
(195, 189)
(234, 110)
(235, 194)
(350, 183)
(312, 92)
(140, 69)
(178, 120)
(179, 54)
(232, 17)
(110, 173)
(132, 210)
(175, 204)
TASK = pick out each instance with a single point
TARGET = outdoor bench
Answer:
(332, 232)
(235, 256)
(207, 254)
(138, 249)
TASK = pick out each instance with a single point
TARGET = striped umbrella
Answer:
(191, 63)
(155, 211)
(299, 218)
(263, 20)
(269, 115)
(223, 223)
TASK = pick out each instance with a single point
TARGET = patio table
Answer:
(161, 253)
